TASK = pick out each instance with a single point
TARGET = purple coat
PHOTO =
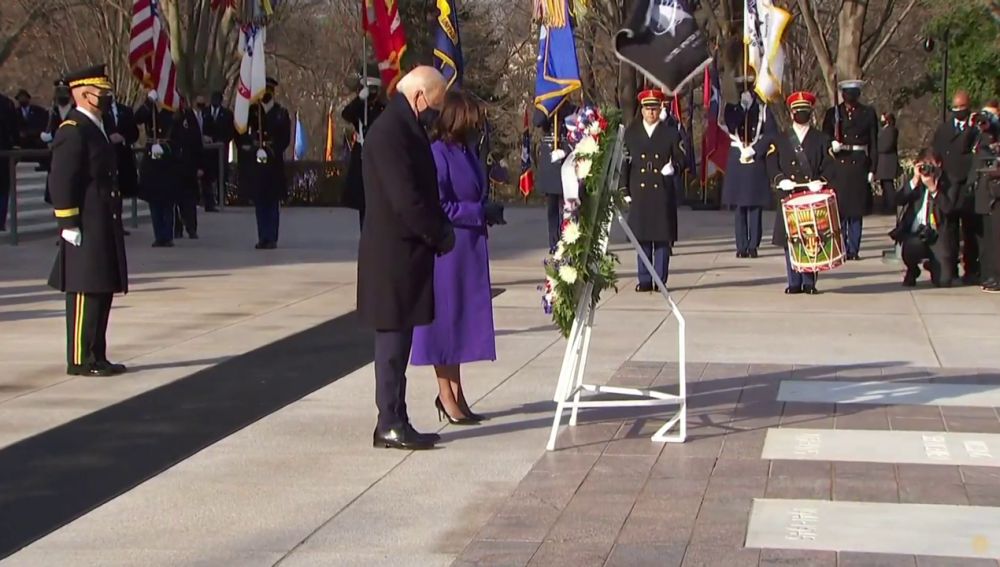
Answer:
(462, 330)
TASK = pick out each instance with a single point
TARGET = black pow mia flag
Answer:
(662, 40)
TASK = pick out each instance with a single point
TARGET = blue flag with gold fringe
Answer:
(448, 43)
(558, 72)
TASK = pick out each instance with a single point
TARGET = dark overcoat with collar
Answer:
(784, 163)
(652, 215)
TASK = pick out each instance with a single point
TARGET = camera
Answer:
(927, 169)
(926, 234)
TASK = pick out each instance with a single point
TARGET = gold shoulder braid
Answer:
(68, 123)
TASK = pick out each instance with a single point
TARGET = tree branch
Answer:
(875, 51)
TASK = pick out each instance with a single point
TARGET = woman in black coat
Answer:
(887, 168)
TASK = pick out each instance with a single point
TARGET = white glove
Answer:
(363, 95)
(815, 186)
(261, 156)
(558, 155)
(667, 170)
(836, 146)
(72, 235)
(747, 152)
(871, 177)
(46, 137)
(746, 99)
(663, 114)
(786, 185)
(628, 199)
(156, 151)
(153, 95)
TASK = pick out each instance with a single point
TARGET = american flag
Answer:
(527, 181)
(149, 52)
(715, 144)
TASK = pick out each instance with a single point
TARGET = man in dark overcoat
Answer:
(217, 127)
(985, 177)
(361, 119)
(888, 168)
(955, 140)
(262, 163)
(553, 147)
(90, 265)
(123, 132)
(404, 229)
(31, 122)
(854, 129)
(188, 141)
(655, 155)
(797, 162)
(746, 185)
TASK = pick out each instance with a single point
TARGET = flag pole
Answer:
(364, 71)
(746, 72)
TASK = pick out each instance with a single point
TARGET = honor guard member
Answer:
(653, 149)
(90, 265)
(746, 185)
(854, 130)
(888, 168)
(796, 162)
(552, 150)
(123, 132)
(159, 174)
(262, 163)
(186, 139)
(62, 103)
(985, 178)
(361, 114)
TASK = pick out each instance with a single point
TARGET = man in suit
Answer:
(922, 230)
(404, 229)
(888, 162)
(8, 139)
(655, 156)
(955, 140)
(796, 162)
(262, 163)
(218, 128)
(90, 265)
(187, 133)
(123, 132)
(360, 113)
(985, 178)
(552, 150)
(31, 122)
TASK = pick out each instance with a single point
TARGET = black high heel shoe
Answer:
(471, 414)
(443, 413)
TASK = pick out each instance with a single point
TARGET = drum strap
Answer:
(799, 152)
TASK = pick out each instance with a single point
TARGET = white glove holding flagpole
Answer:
(557, 155)
(363, 95)
(153, 95)
(871, 177)
(46, 137)
(668, 169)
(261, 156)
(747, 153)
(663, 114)
(836, 146)
(73, 236)
(156, 151)
(786, 185)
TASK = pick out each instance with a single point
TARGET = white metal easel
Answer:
(570, 386)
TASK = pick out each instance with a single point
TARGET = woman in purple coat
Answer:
(462, 330)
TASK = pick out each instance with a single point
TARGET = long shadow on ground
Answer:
(50, 479)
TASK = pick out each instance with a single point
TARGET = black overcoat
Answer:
(85, 197)
(124, 124)
(848, 170)
(986, 183)
(265, 182)
(888, 154)
(548, 176)
(653, 212)
(160, 179)
(404, 223)
(218, 126)
(956, 146)
(783, 163)
(30, 127)
(8, 137)
(746, 184)
(354, 113)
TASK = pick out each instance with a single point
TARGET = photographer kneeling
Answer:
(922, 229)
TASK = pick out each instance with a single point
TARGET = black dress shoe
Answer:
(193, 235)
(270, 245)
(742, 254)
(644, 288)
(115, 368)
(430, 437)
(970, 279)
(810, 290)
(211, 210)
(753, 253)
(793, 290)
(400, 438)
(89, 370)
(259, 246)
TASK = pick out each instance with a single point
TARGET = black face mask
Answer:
(852, 96)
(428, 117)
(960, 114)
(104, 102)
(24, 103)
(62, 100)
(217, 102)
(802, 117)
(267, 98)
(202, 106)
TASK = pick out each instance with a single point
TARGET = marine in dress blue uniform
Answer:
(791, 175)
(746, 185)
(854, 129)
(655, 156)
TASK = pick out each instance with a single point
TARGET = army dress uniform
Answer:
(746, 185)
(855, 160)
(93, 268)
(548, 173)
(785, 163)
(655, 155)
(160, 172)
(357, 116)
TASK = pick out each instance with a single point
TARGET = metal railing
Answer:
(14, 157)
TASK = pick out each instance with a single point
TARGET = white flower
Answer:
(560, 250)
(583, 167)
(571, 233)
(567, 274)
(587, 147)
(595, 128)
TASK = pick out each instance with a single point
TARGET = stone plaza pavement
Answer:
(857, 427)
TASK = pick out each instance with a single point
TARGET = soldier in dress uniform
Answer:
(746, 185)
(190, 149)
(123, 132)
(160, 174)
(552, 150)
(217, 127)
(854, 129)
(90, 265)
(62, 103)
(262, 163)
(356, 114)
(655, 154)
(796, 163)
(888, 162)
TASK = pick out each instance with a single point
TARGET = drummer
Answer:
(795, 164)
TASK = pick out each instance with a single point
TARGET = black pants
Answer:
(268, 220)
(208, 200)
(392, 354)
(888, 196)
(963, 231)
(748, 228)
(915, 251)
(187, 216)
(554, 209)
(162, 216)
(87, 317)
(989, 246)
